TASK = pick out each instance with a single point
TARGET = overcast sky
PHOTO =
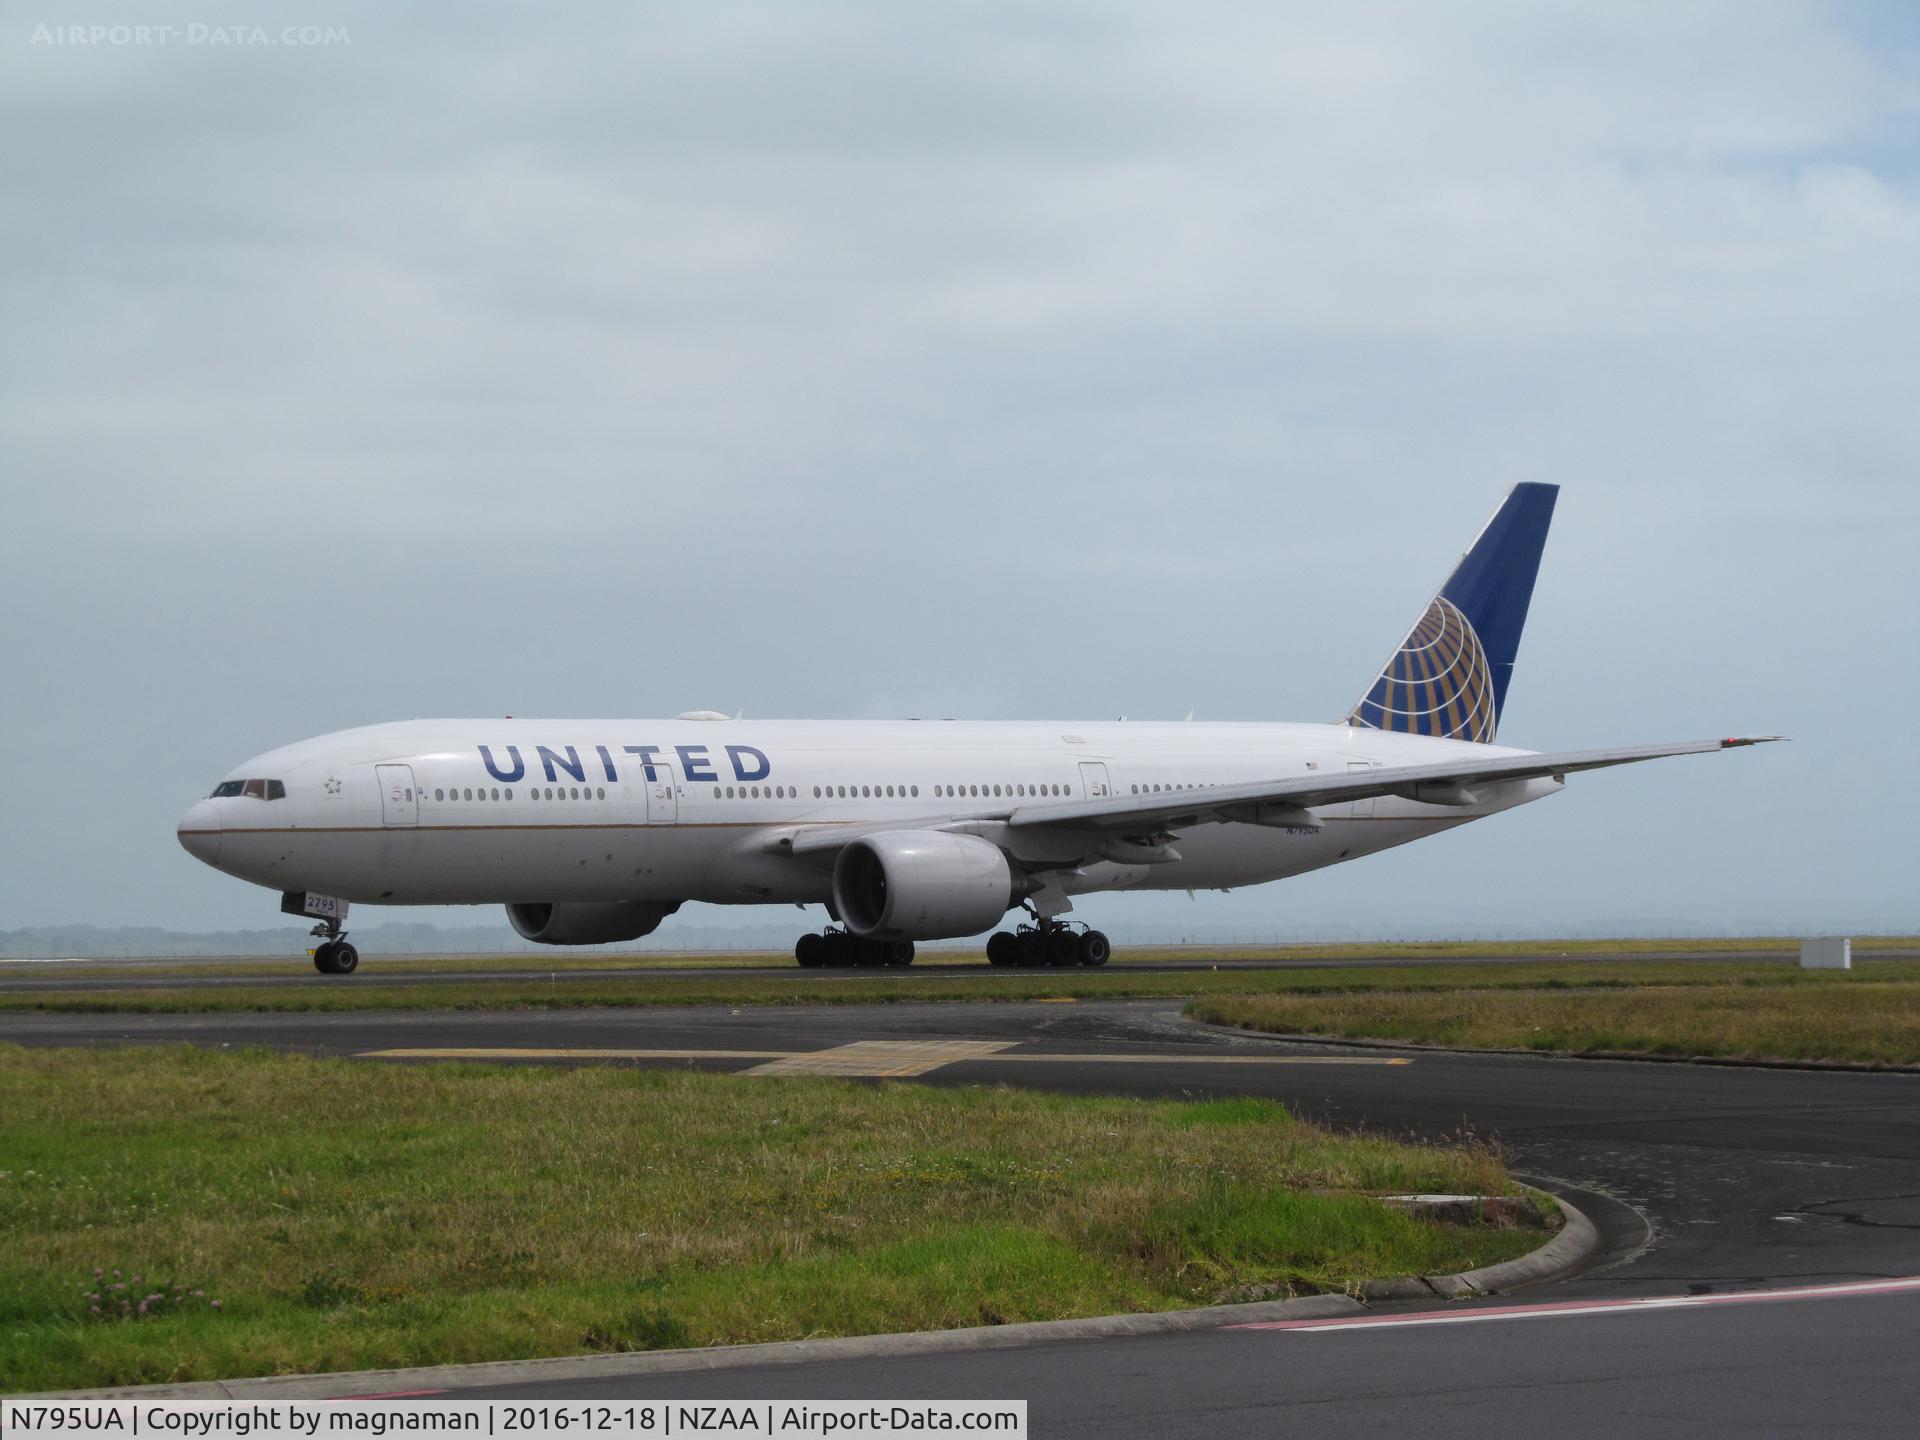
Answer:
(1002, 361)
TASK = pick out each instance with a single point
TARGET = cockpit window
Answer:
(255, 789)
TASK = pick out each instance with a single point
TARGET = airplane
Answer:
(595, 831)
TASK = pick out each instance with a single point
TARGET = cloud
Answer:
(995, 361)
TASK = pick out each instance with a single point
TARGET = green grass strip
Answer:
(1857, 1019)
(347, 1215)
(587, 988)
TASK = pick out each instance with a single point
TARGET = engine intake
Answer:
(583, 922)
(921, 885)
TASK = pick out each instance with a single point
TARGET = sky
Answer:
(1026, 360)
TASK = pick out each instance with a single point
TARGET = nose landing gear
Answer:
(1048, 942)
(333, 955)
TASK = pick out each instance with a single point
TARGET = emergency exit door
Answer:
(1093, 780)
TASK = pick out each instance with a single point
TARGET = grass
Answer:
(351, 1215)
(1822, 1017)
(863, 987)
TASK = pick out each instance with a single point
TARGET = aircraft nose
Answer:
(200, 830)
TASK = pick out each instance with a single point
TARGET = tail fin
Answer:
(1449, 676)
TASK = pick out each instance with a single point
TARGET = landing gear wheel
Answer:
(1033, 949)
(1094, 949)
(1002, 949)
(899, 953)
(869, 954)
(810, 951)
(323, 958)
(1063, 947)
(839, 949)
(346, 959)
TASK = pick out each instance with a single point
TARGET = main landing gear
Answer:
(1048, 942)
(839, 947)
(334, 956)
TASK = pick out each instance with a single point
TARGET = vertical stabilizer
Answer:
(1450, 675)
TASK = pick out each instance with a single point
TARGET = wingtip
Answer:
(1733, 742)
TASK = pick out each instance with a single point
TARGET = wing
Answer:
(1449, 782)
(1279, 801)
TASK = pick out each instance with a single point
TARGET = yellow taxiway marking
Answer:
(1206, 1059)
(882, 1057)
(524, 1053)
(871, 1057)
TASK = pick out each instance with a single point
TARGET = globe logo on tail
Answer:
(1437, 683)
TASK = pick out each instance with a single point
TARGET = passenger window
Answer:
(509, 792)
(469, 795)
(601, 793)
(916, 792)
(439, 795)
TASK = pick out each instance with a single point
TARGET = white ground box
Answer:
(1826, 953)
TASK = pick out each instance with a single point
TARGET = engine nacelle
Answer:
(583, 922)
(921, 885)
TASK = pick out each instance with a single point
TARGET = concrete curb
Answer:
(1845, 1067)
(1576, 1240)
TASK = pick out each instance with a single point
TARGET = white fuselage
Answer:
(417, 813)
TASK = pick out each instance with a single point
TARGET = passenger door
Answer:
(399, 801)
(663, 794)
(1361, 809)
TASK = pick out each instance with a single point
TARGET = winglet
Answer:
(1734, 742)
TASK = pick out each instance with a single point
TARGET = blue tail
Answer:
(1449, 677)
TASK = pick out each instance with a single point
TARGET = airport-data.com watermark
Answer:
(193, 34)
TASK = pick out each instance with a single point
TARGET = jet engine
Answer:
(921, 885)
(582, 922)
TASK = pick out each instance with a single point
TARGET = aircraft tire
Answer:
(869, 954)
(323, 958)
(1063, 948)
(1094, 948)
(346, 959)
(1033, 949)
(1002, 949)
(810, 951)
(899, 953)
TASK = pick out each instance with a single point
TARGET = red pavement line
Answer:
(1650, 1304)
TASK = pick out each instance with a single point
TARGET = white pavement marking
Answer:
(1556, 1311)
(865, 1057)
